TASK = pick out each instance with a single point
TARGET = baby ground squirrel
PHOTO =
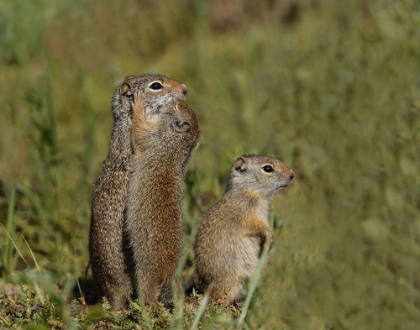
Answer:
(233, 232)
(108, 249)
(154, 225)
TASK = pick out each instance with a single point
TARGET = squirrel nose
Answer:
(184, 89)
(181, 126)
(292, 176)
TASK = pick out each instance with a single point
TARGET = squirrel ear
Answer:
(240, 165)
(124, 88)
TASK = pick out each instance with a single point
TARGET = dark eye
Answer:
(268, 168)
(129, 94)
(156, 86)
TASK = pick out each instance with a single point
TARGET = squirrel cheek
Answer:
(150, 111)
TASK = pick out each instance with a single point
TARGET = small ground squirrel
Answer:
(233, 232)
(109, 256)
(154, 222)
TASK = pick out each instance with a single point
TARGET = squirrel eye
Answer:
(129, 94)
(156, 86)
(268, 168)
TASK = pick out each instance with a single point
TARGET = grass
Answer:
(331, 89)
(8, 245)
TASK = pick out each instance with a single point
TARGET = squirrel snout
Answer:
(181, 126)
(292, 175)
(184, 89)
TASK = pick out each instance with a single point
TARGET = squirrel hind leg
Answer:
(148, 290)
(122, 297)
(227, 295)
(166, 295)
(237, 293)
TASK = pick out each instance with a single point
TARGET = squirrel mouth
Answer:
(284, 186)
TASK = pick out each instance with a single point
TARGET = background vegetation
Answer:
(332, 88)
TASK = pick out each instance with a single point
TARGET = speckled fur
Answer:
(108, 250)
(154, 205)
(233, 232)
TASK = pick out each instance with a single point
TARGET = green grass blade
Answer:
(7, 257)
(200, 312)
(253, 286)
(178, 313)
(32, 254)
(14, 244)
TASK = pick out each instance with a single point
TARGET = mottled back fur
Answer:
(109, 257)
(154, 204)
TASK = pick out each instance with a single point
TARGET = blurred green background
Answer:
(331, 88)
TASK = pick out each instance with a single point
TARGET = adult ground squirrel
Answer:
(109, 256)
(154, 205)
(233, 232)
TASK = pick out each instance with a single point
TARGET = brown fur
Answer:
(109, 256)
(154, 205)
(233, 233)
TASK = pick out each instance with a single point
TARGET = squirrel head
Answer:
(184, 125)
(260, 175)
(172, 126)
(147, 93)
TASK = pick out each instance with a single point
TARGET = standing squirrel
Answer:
(232, 233)
(154, 224)
(108, 250)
